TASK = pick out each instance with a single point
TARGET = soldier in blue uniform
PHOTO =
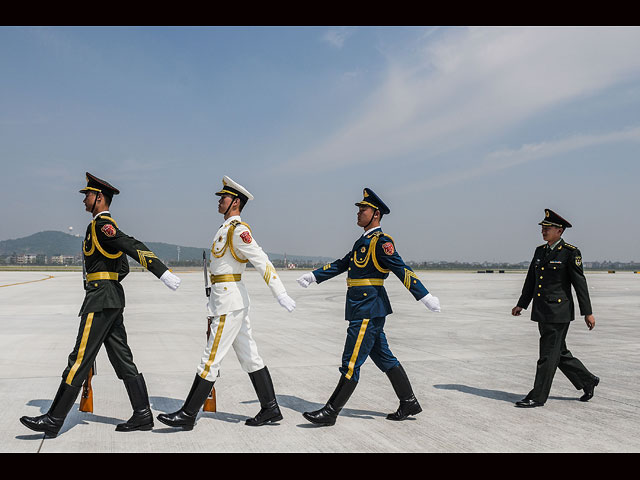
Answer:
(556, 266)
(368, 264)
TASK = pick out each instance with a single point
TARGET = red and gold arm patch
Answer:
(388, 248)
(246, 237)
(109, 230)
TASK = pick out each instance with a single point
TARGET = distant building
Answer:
(62, 259)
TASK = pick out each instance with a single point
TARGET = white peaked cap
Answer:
(231, 187)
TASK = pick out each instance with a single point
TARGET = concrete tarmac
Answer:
(468, 365)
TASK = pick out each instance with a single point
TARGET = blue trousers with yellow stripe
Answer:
(366, 338)
(97, 329)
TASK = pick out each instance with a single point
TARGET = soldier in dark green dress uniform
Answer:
(556, 266)
(105, 249)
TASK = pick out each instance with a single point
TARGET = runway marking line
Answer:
(30, 281)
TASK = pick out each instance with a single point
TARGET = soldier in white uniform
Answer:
(233, 246)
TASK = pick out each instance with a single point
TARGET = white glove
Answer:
(431, 302)
(306, 279)
(170, 280)
(286, 301)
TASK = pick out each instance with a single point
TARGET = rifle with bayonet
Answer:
(210, 402)
(86, 400)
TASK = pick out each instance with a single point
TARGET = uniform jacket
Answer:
(373, 256)
(234, 246)
(105, 248)
(549, 282)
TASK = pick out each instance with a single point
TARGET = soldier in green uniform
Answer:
(556, 266)
(105, 249)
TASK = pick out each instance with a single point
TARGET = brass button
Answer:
(539, 286)
(540, 278)
(542, 268)
(538, 294)
(364, 294)
(95, 284)
(559, 300)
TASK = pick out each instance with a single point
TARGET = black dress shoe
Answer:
(528, 403)
(588, 391)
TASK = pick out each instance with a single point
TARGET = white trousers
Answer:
(230, 330)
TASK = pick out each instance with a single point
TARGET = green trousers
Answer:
(554, 354)
(98, 328)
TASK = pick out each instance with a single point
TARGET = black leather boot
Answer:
(51, 422)
(186, 416)
(142, 419)
(269, 409)
(408, 403)
(328, 414)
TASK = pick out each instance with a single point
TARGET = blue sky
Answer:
(466, 133)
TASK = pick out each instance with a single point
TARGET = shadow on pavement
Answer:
(492, 394)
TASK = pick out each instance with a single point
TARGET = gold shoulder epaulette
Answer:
(235, 223)
(572, 247)
(389, 236)
(108, 219)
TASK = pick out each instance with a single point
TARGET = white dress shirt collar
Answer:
(371, 230)
(105, 212)
(231, 219)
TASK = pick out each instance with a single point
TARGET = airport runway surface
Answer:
(468, 365)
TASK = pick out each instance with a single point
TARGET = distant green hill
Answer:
(48, 243)
(52, 243)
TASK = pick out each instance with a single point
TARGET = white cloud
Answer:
(467, 85)
(509, 158)
(336, 37)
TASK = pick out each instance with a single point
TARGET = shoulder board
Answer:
(235, 223)
(108, 219)
(388, 236)
(572, 247)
